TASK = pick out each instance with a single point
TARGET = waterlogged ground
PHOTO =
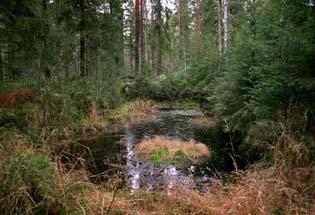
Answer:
(115, 152)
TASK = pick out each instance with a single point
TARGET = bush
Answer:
(18, 118)
(191, 84)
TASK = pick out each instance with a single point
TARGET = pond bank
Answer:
(70, 188)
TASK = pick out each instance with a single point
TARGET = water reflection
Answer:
(149, 176)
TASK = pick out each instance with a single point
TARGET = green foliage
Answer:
(26, 183)
(261, 81)
(18, 118)
(192, 84)
(30, 184)
(59, 104)
(162, 155)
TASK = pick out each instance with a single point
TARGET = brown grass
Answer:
(255, 192)
(192, 150)
(286, 188)
(205, 121)
(133, 112)
(16, 97)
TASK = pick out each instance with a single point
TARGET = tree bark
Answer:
(118, 40)
(159, 34)
(45, 30)
(66, 67)
(152, 40)
(1, 67)
(142, 29)
(131, 44)
(226, 24)
(83, 67)
(198, 30)
(137, 39)
(181, 24)
(219, 26)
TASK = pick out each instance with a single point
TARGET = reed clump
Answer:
(133, 111)
(206, 121)
(162, 149)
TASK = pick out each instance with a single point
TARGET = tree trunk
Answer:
(66, 67)
(142, 29)
(137, 39)
(181, 24)
(152, 40)
(219, 26)
(131, 46)
(44, 56)
(226, 24)
(198, 30)
(118, 40)
(83, 71)
(1, 67)
(159, 34)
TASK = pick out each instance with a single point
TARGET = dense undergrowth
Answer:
(33, 129)
(35, 181)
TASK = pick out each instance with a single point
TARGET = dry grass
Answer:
(133, 111)
(286, 188)
(205, 121)
(294, 163)
(94, 123)
(164, 149)
(255, 192)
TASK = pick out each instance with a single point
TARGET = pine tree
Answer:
(137, 39)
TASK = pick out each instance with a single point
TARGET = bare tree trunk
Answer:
(1, 67)
(45, 29)
(181, 24)
(131, 46)
(197, 30)
(66, 68)
(159, 34)
(137, 39)
(82, 55)
(10, 64)
(83, 71)
(219, 26)
(142, 24)
(152, 35)
(226, 24)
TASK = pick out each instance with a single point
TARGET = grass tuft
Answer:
(166, 150)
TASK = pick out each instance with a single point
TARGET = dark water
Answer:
(114, 153)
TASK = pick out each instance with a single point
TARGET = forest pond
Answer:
(119, 150)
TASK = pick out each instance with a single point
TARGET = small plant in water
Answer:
(166, 150)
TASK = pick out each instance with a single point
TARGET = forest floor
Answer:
(34, 179)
